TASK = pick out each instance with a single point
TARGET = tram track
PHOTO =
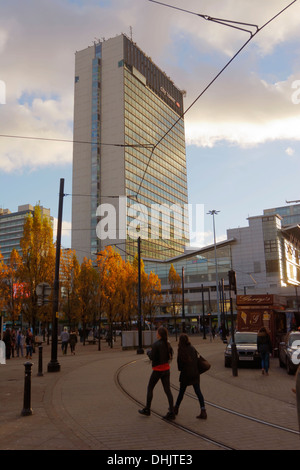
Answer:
(205, 437)
(243, 415)
(159, 415)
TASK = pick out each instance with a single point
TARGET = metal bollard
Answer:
(40, 370)
(27, 410)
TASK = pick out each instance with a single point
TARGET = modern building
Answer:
(199, 279)
(129, 162)
(290, 214)
(265, 256)
(11, 228)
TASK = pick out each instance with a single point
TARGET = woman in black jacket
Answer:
(264, 347)
(160, 355)
(189, 374)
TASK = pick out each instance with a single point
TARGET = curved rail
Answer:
(172, 423)
(193, 432)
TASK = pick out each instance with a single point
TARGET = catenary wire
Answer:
(154, 146)
(252, 35)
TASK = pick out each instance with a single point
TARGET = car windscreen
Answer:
(242, 338)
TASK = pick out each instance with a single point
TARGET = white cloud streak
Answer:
(38, 39)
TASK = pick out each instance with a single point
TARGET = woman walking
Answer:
(264, 347)
(189, 374)
(73, 341)
(160, 355)
(29, 344)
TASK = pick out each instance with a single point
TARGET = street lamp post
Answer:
(203, 312)
(54, 365)
(213, 213)
(183, 314)
(140, 349)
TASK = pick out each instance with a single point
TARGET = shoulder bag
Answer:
(203, 364)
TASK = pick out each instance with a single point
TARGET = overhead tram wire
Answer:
(229, 23)
(69, 141)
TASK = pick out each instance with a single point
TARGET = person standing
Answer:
(64, 340)
(160, 355)
(73, 341)
(20, 343)
(264, 347)
(7, 341)
(189, 374)
(13, 342)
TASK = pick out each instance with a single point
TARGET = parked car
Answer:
(246, 348)
(289, 352)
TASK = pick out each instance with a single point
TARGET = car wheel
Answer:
(281, 364)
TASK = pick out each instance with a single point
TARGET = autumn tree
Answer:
(3, 284)
(87, 293)
(111, 269)
(152, 296)
(175, 292)
(69, 282)
(38, 260)
(13, 290)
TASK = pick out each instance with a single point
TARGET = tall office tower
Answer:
(129, 162)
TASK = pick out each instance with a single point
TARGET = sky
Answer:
(242, 131)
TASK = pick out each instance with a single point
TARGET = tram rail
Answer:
(203, 436)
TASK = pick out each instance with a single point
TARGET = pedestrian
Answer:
(64, 340)
(20, 343)
(160, 354)
(213, 330)
(13, 342)
(73, 341)
(29, 344)
(7, 341)
(189, 375)
(264, 348)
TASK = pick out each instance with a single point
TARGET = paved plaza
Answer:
(84, 407)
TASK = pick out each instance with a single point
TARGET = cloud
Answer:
(246, 112)
(65, 232)
(38, 39)
(290, 151)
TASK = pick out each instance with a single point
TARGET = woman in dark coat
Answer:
(264, 347)
(189, 374)
(7, 340)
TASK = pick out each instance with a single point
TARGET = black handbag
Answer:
(203, 364)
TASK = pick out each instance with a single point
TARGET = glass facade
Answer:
(154, 153)
(157, 178)
(198, 269)
(290, 214)
(163, 172)
(95, 147)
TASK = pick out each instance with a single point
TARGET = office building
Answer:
(290, 214)
(12, 225)
(265, 256)
(129, 162)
